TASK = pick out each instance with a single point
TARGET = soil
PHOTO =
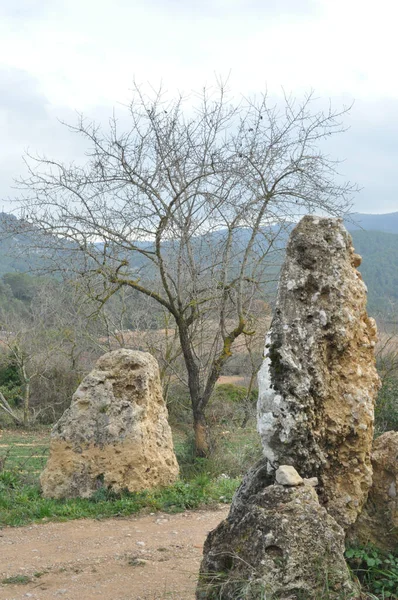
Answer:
(151, 557)
(232, 379)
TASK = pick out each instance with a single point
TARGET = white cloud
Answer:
(84, 54)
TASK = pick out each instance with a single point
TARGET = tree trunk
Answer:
(26, 402)
(200, 397)
(202, 446)
(26, 396)
(247, 403)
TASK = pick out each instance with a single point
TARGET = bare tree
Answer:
(186, 208)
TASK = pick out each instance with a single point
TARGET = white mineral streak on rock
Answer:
(268, 406)
(318, 382)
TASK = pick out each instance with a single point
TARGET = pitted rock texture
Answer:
(378, 522)
(277, 542)
(318, 382)
(115, 434)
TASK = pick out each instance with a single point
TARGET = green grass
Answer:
(386, 409)
(25, 452)
(21, 501)
(203, 482)
(17, 579)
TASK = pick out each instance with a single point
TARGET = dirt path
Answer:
(153, 557)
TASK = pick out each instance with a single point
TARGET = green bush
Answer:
(10, 380)
(9, 373)
(8, 480)
(228, 403)
(179, 405)
(376, 570)
(233, 453)
(233, 448)
(17, 580)
(386, 410)
(229, 392)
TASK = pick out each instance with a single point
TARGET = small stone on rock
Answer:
(287, 475)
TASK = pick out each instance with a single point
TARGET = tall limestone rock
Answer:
(318, 382)
(115, 433)
(284, 535)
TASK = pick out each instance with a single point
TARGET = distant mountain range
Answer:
(387, 223)
(375, 237)
(379, 269)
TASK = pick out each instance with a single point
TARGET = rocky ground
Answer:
(152, 557)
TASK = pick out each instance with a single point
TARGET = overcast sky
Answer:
(62, 56)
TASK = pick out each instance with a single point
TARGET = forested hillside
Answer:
(377, 246)
(388, 223)
(379, 268)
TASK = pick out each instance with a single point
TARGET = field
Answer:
(24, 452)
(203, 482)
(71, 558)
(84, 562)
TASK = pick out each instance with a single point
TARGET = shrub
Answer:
(17, 580)
(179, 404)
(8, 480)
(10, 380)
(51, 395)
(230, 404)
(376, 570)
(386, 410)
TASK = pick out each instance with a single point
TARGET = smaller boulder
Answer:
(378, 522)
(287, 475)
(277, 542)
(115, 434)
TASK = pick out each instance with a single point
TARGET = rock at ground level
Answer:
(115, 434)
(277, 542)
(318, 383)
(378, 522)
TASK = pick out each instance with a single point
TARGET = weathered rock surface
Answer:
(277, 542)
(378, 522)
(115, 433)
(318, 383)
